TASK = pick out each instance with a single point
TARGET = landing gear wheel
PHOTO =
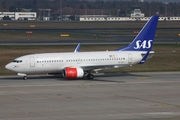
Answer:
(25, 78)
(90, 76)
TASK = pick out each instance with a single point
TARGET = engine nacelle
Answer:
(73, 73)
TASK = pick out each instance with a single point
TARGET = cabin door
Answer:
(129, 58)
(32, 61)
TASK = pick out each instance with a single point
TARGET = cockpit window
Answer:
(17, 61)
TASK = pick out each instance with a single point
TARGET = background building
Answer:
(136, 13)
(18, 15)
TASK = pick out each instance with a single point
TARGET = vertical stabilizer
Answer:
(144, 40)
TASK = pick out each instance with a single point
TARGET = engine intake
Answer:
(73, 73)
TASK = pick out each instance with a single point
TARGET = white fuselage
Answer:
(56, 62)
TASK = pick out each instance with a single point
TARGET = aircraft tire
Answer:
(90, 76)
(25, 78)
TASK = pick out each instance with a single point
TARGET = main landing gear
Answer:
(90, 76)
(25, 78)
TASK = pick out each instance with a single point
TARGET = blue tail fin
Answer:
(144, 40)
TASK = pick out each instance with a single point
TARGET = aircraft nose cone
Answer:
(8, 67)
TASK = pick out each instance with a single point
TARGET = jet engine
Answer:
(73, 73)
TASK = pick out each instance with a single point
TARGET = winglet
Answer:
(78, 47)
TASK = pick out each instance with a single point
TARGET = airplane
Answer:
(77, 64)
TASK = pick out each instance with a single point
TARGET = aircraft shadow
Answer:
(98, 77)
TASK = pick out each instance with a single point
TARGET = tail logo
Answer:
(145, 44)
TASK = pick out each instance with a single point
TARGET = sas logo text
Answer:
(145, 44)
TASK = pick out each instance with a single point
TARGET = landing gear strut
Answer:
(90, 76)
(24, 75)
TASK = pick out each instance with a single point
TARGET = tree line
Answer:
(112, 6)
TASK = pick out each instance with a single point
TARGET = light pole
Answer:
(60, 7)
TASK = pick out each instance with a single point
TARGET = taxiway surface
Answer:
(127, 96)
(116, 39)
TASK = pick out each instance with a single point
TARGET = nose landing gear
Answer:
(24, 75)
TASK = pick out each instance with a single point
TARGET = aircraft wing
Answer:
(98, 67)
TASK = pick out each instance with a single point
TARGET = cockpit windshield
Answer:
(17, 61)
